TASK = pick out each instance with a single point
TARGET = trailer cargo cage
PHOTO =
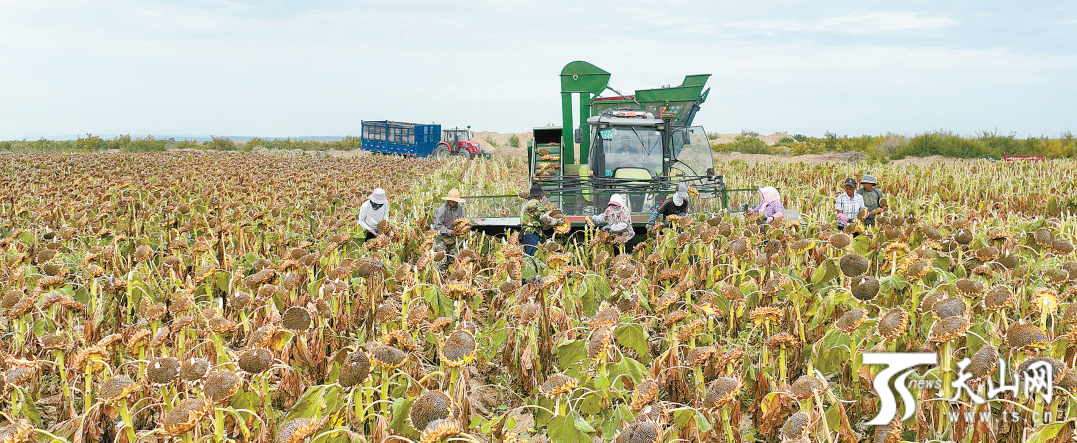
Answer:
(410, 139)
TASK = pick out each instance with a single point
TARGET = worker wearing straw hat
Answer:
(373, 211)
(446, 214)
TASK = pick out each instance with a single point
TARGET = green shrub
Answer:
(941, 143)
(186, 144)
(749, 143)
(490, 140)
(91, 143)
(350, 143)
(787, 140)
(514, 141)
(220, 144)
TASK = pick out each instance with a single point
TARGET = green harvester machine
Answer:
(640, 145)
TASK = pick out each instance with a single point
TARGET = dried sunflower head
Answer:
(969, 288)
(1045, 300)
(430, 407)
(890, 432)
(599, 343)
(185, 416)
(458, 348)
(640, 432)
(163, 370)
(558, 384)
(949, 329)
(20, 431)
(983, 363)
(297, 430)
(721, 392)
(893, 324)
(296, 318)
(766, 313)
(388, 357)
(194, 369)
(840, 240)
(1058, 368)
(646, 391)
(355, 369)
(607, 316)
(915, 268)
(963, 236)
(1025, 336)
(853, 264)
(796, 426)
(851, 320)
(782, 339)
(440, 430)
(950, 307)
(807, 386)
(255, 361)
(1044, 237)
(221, 385)
(865, 287)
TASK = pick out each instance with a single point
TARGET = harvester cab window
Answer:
(630, 147)
(691, 152)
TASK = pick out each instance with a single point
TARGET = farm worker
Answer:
(771, 206)
(617, 218)
(873, 199)
(446, 214)
(373, 211)
(848, 203)
(534, 219)
(676, 205)
(626, 146)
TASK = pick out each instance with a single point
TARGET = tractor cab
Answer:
(458, 141)
(456, 135)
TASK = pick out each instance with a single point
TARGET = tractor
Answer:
(641, 145)
(458, 141)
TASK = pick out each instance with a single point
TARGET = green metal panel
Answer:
(580, 76)
(569, 152)
(585, 132)
(587, 80)
(695, 80)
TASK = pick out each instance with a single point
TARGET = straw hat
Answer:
(454, 195)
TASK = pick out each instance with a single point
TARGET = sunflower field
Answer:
(224, 296)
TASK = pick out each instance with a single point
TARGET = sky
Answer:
(318, 68)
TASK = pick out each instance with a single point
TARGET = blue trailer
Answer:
(410, 139)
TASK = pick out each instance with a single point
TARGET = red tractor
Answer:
(458, 141)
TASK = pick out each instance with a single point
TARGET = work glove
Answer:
(550, 221)
(843, 219)
(618, 227)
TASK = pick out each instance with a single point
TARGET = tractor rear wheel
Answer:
(442, 152)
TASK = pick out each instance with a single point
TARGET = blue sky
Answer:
(282, 68)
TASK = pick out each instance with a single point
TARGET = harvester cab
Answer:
(460, 142)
